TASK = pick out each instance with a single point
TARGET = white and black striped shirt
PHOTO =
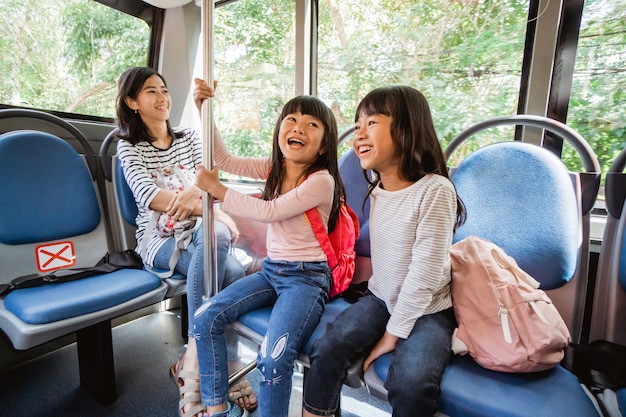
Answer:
(138, 161)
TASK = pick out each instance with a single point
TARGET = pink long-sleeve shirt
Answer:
(289, 235)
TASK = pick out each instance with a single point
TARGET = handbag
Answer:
(505, 321)
(175, 179)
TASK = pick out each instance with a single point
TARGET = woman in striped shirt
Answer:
(148, 143)
(408, 308)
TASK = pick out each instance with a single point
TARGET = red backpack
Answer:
(338, 245)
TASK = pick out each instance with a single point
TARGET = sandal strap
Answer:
(186, 374)
(189, 390)
(191, 398)
(190, 386)
(194, 410)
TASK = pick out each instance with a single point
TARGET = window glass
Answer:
(597, 107)
(66, 55)
(255, 66)
(466, 57)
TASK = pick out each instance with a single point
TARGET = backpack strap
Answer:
(109, 263)
(182, 239)
(314, 219)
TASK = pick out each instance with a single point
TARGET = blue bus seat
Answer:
(609, 307)
(356, 189)
(357, 186)
(467, 389)
(122, 210)
(51, 219)
(253, 325)
(520, 196)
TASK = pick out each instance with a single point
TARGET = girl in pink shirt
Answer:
(301, 173)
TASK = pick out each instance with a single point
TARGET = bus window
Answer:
(467, 60)
(597, 106)
(66, 55)
(254, 63)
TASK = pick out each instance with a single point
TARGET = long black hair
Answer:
(413, 133)
(129, 123)
(328, 160)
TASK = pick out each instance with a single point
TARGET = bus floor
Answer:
(144, 349)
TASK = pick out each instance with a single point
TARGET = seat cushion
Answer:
(468, 390)
(53, 302)
(257, 320)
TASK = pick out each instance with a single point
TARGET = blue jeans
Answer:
(298, 291)
(417, 363)
(191, 263)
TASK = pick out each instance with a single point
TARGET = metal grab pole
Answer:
(210, 254)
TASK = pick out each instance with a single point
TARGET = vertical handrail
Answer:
(211, 280)
(210, 255)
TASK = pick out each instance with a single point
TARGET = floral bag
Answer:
(175, 179)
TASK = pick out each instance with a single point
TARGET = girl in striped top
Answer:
(407, 308)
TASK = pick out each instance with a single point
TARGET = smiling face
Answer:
(374, 145)
(153, 102)
(300, 138)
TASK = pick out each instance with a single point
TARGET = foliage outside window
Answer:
(465, 57)
(255, 66)
(66, 55)
(597, 108)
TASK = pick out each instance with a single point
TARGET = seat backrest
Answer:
(609, 307)
(522, 197)
(50, 213)
(121, 208)
(128, 205)
(356, 189)
(511, 191)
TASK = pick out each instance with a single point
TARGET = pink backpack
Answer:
(505, 321)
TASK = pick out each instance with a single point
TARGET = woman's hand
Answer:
(202, 91)
(209, 181)
(385, 345)
(185, 203)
